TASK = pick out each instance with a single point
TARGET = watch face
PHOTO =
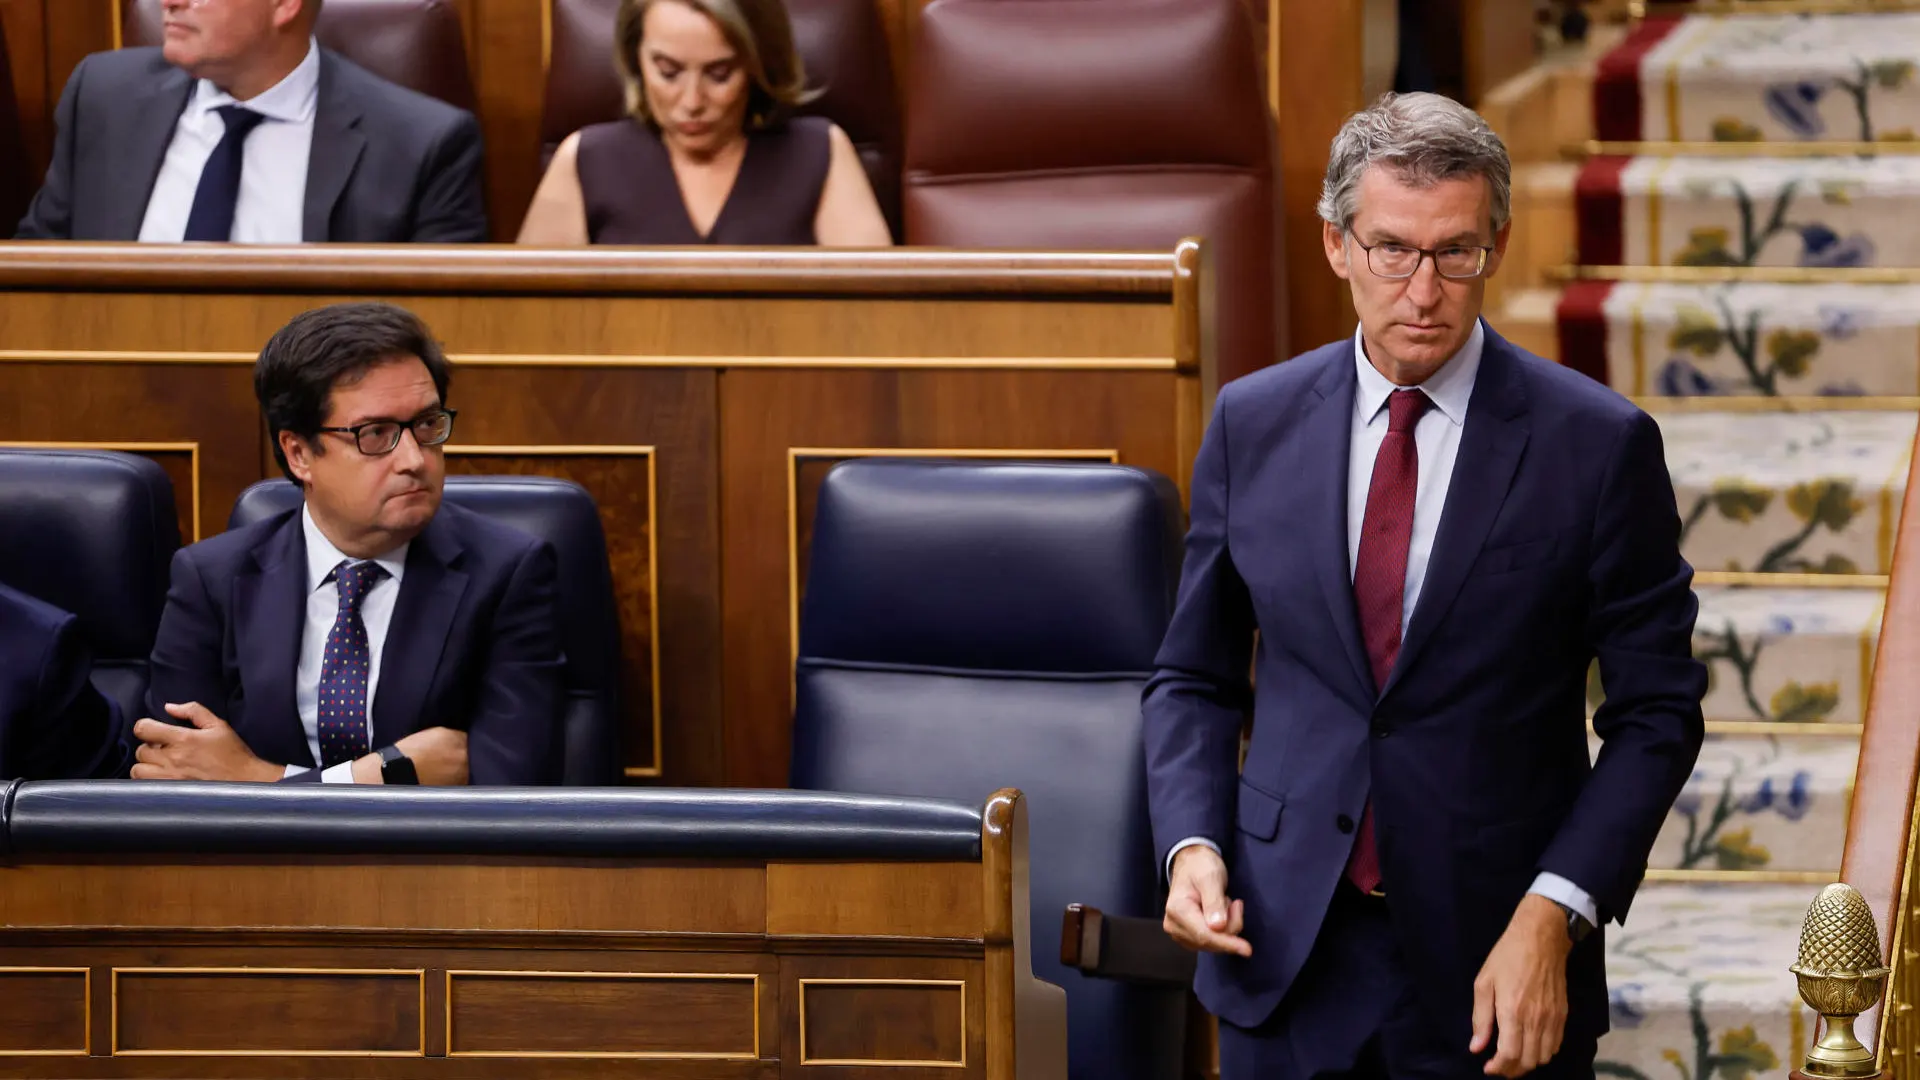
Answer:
(398, 770)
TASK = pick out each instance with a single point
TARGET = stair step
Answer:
(1710, 211)
(1761, 803)
(1774, 78)
(1789, 492)
(1701, 970)
(1790, 656)
(1740, 339)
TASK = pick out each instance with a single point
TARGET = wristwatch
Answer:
(396, 767)
(1577, 925)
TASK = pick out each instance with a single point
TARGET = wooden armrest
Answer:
(1122, 947)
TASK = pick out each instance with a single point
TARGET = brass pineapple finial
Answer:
(1841, 976)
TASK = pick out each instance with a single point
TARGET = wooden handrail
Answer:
(504, 268)
(1880, 825)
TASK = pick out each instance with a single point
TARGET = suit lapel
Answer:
(1490, 450)
(269, 614)
(1325, 435)
(337, 145)
(417, 635)
(143, 142)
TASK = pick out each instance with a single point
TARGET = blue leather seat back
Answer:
(968, 627)
(93, 532)
(563, 514)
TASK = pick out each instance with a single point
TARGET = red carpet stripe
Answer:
(1597, 209)
(1582, 324)
(1617, 107)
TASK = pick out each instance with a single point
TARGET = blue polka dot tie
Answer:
(344, 669)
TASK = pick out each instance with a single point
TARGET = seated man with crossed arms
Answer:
(374, 635)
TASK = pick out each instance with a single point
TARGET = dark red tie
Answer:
(1380, 578)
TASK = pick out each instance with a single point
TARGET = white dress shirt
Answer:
(1436, 438)
(323, 606)
(271, 208)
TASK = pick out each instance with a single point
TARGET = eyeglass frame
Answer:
(1424, 255)
(404, 427)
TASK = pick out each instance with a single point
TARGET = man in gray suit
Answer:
(242, 128)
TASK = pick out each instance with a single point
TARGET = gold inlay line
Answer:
(805, 1060)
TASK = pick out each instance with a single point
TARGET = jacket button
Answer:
(1380, 730)
(1343, 823)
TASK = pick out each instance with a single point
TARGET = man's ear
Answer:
(1335, 241)
(1499, 251)
(299, 455)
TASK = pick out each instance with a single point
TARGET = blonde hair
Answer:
(759, 31)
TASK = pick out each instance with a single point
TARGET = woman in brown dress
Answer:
(707, 153)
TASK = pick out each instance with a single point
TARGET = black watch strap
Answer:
(396, 767)
(1577, 925)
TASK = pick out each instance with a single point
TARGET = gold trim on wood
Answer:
(114, 17)
(1745, 877)
(796, 453)
(1790, 581)
(546, 36)
(1775, 728)
(191, 449)
(588, 360)
(653, 554)
(113, 1027)
(878, 1062)
(1596, 148)
(623, 1055)
(86, 1011)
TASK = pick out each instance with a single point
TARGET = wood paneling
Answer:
(883, 1022)
(45, 1011)
(603, 1014)
(725, 363)
(304, 1012)
(896, 899)
(25, 23)
(919, 1000)
(448, 895)
(509, 72)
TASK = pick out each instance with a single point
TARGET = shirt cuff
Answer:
(293, 771)
(1564, 892)
(338, 774)
(1191, 841)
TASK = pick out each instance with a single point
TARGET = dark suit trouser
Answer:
(1352, 1015)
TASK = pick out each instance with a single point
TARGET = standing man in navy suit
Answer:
(1434, 533)
(374, 635)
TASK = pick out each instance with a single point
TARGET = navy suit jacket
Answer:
(388, 165)
(473, 644)
(53, 724)
(1559, 542)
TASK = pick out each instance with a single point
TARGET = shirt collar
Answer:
(291, 100)
(1450, 388)
(323, 558)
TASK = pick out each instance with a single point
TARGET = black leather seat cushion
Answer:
(134, 817)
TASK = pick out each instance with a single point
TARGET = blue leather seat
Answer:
(968, 627)
(563, 514)
(93, 532)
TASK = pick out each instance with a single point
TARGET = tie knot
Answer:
(1404, 409)
(239, 119)
(354, 579)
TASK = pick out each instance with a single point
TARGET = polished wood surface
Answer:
(698, 395)
(1881, 823)
(491, 967)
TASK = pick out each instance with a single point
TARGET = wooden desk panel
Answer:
(698, 394)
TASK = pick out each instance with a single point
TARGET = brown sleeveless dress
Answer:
(633, 197)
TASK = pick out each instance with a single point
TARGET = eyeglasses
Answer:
(377, 437)
(1456, 262)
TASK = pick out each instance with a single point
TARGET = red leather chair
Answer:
(417, 44)
(842, 43)
(18, 177)
(1101, 124)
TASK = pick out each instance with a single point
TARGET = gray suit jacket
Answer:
(389, 165)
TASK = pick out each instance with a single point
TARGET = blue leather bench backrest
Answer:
(968, 627)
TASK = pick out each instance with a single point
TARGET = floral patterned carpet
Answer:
(1788, 414)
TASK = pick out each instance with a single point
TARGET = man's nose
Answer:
(1423, 288)
(408, 454)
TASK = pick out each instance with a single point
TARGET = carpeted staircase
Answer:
(1787, 398)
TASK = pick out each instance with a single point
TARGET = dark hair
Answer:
(761, 31)
(297, 371)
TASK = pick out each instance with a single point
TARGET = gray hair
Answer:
(1424, 139)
